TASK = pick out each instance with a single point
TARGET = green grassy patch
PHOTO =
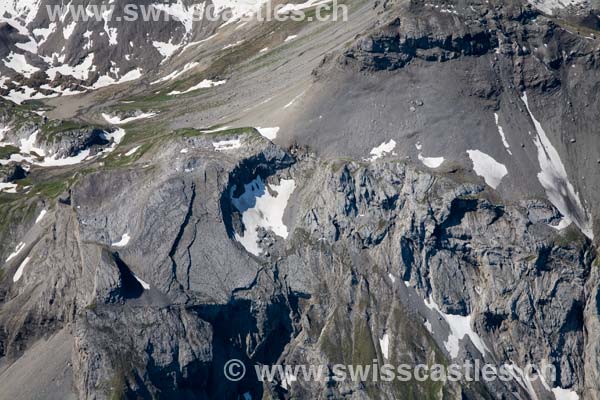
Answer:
(7, 151)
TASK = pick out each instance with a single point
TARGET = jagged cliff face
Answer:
(425, 193)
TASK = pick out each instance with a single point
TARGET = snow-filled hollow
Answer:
(262, 206)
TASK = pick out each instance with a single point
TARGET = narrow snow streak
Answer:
(41, 216)
(144, 284)
(502, 135)
(20, 247)
(20, 270)
(116, 120)
(384, 343)
(132, 151)
(555, 181)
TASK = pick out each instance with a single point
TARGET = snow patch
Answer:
(225, 145)
(502, 135)
(288, 379)
(488, 168)
(269, 133)
(166, 49)
(8, 187)
(106, 80)
(301, 6)
(123, 242)
(54, 161)
(18, 63)
(116, 120)
(555, 181)
(80, 71)
(176, 74)
(261, 209)
(460, 327)
(384, 343)
(431, 162)
(19, 271)
(41, 216)
(564, 394)
(18, 249)
(68, 30)
(428, 326)
(381, 150)
(132, 151)
(144, 284)
(392, 278)
(205, 84)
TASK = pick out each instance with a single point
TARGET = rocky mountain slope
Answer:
(414, 185)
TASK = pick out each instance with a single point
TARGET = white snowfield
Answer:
(555, 181)
(261, 209)
(381, 150)
(459, 328)
(18, 63)
(485, 166)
